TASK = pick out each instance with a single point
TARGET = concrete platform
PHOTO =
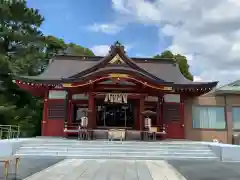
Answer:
(128, 150)
(54, 145)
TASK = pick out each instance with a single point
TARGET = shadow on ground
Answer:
(207, 170)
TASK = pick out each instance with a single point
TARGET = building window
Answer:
(56, 111)
(208, 117)
(171, 112)
(236, 117)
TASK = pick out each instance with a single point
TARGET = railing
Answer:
(110, 134)
(9, 131)
(71, 125)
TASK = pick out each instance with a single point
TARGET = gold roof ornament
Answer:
(116, 60)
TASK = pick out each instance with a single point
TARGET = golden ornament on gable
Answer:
(118, 75)
(116, 60)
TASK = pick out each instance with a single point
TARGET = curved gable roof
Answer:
(110, 70)
(115, 50)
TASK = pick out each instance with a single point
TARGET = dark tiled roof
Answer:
(167, 71)
(63, 67)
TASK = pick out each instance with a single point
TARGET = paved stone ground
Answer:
(27, 167)
(77, 169)
(204, 170)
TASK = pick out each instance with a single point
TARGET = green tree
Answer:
(54, 45)
(165, 54)
(21, 51)
(58, 46)
(78, 50)
(181, 60)
(21, 41)
(24, 50)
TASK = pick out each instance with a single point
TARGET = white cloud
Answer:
(197, 78)
(207, 31)
(103, 50)
(100, 50)
(169, 30)
(143, 55)
(144, 11)
(105, 28)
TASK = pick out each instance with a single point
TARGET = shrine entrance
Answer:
(115, 115)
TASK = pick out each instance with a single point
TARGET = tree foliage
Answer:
(24, 50)
(74, 49)
(181, 60)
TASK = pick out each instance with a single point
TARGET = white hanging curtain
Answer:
(212, 118)
(236, 117)
(208, 117)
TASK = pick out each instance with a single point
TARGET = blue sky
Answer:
(204, 31)
(95, 24)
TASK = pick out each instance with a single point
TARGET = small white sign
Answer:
(172, 98)
(116, 98)
(79, 96)
(54, 94)
(151, 98)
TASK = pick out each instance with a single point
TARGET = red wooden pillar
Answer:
(70, 108)
(45, 115)
(94, 119)
(182, 114)
(137, 116)
(159, 111)
(141, 109)
(91, 110)
(67, 112)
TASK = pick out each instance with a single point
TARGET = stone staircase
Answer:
(66, 148)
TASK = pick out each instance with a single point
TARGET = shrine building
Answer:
(113, 91)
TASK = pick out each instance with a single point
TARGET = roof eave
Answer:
(198, 85)
(106, 72)
(226, 92)
(29, 79)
